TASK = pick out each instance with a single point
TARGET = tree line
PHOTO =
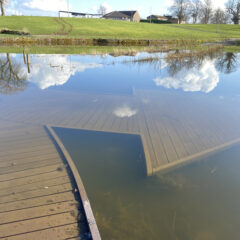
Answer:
(202, 11)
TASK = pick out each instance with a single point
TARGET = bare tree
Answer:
(219, 17)
(233, 8)
(11, 79)
(180, 10)
(102, 9)
(194, 9)
(3, 4)
(206, 11)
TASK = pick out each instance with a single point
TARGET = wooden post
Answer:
(24, 57)
(28, 64)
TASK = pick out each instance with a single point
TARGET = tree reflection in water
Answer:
(12, 79)
(228, 63)
(177, 61)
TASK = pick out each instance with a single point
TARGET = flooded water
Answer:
(137, 117)
(198, 202)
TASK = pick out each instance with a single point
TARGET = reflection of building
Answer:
(169, 19)
(131, 16)
(78, 15)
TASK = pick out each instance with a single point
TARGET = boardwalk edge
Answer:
(83, 195)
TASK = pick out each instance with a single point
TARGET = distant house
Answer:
(170, 19)
(78, 15)
(174, 20)
(131, 16)
(157, 17)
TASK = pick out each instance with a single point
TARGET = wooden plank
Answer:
(23, 139)
(198, 156)
(31, 165)
(147, 145)
(88, 115)
(36, 193)
(7, 162)
(22, 132)
(106, 118)
(82, 193)
(31, 172)
(17, 146)
(28, 155)
(25, 147)
(177, 143)
(39, 201)
(12, 184)
(157, 142)
(95, 117)
(41, 223)
(66, 231)
(37, 212)
(23, 150)
(34, 186)
(167, 142)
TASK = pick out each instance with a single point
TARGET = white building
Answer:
(78, 15)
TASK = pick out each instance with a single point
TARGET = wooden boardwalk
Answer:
(39, 198)
(175, 129)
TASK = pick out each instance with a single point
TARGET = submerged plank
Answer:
(66, 231)
(198, 156)
(39, 201)
(37, 197)
(40, 223)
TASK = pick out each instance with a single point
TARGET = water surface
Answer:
(197, 202)
(173, 108)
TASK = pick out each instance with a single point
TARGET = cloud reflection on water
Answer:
(204, 78)
(55, 70)
(124, 111)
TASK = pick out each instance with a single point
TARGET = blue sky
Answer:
(51, 7)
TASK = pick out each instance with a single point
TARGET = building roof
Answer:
(170, 17)
(120, 14)
(157, 16)
(80, 14)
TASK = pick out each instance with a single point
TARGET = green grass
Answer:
(70, 49)
(110, 29)
(95, 50)
(235, 49)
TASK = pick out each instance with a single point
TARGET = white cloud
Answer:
(94, 9)
(204, 79)
(46, 5)
(124, 111)
(219, 4)
(54, 70)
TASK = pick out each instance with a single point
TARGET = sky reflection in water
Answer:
(191, 103)
(120, 76)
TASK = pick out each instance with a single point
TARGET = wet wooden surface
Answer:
(175, 129)
(37, 190)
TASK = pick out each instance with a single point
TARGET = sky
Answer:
(51, 7)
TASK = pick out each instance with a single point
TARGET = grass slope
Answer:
(101, 28)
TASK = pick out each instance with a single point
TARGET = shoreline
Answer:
(58, 41)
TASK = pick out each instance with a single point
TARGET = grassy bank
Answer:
(110, 29)
(120, 50)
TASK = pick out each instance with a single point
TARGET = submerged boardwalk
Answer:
(175, 130)
(38, 199)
